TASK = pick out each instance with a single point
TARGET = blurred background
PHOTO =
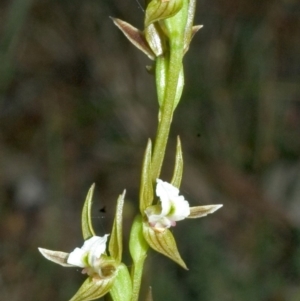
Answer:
(77, 106)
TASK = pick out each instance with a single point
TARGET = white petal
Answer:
(97, 248)
(76, 258)
(181, 209)
(165, 192)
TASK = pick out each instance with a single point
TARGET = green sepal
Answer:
(161, 69)
(86, 221)
(115, 243)
(160, 10)
(91, 289)
(178, 169)
(155, 38)
(164, 243)
(179, 89)
(137, 244)
(146, 190)
(122, 286)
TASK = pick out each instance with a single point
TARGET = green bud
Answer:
(161, 9)
(176, 26)
(86, 221)
(137, 245)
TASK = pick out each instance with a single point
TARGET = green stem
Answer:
(137, 273)
(167, 108)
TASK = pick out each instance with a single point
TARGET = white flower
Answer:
(172, 207)
(88, 256)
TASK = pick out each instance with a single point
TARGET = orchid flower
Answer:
(87, 257)
(172, 207)
(106, 273)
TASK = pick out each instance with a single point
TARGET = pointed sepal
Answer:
(195, 29)
(201, 211)
(164, 243)
(135, 36)
(146, 190)
(115, 244)
(91, 289)
(56, 257)
(86, 221)
(178, 169)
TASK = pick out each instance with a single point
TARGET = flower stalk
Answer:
(165, 40)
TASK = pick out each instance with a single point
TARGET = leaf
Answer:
(135, 36)
(159, 10)
(91, 290)
(86, 221)
(115, 243)
(178, 169)
(164, 243)
(56, 257)
(201, 211)
(146, 190)
(122, 287)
